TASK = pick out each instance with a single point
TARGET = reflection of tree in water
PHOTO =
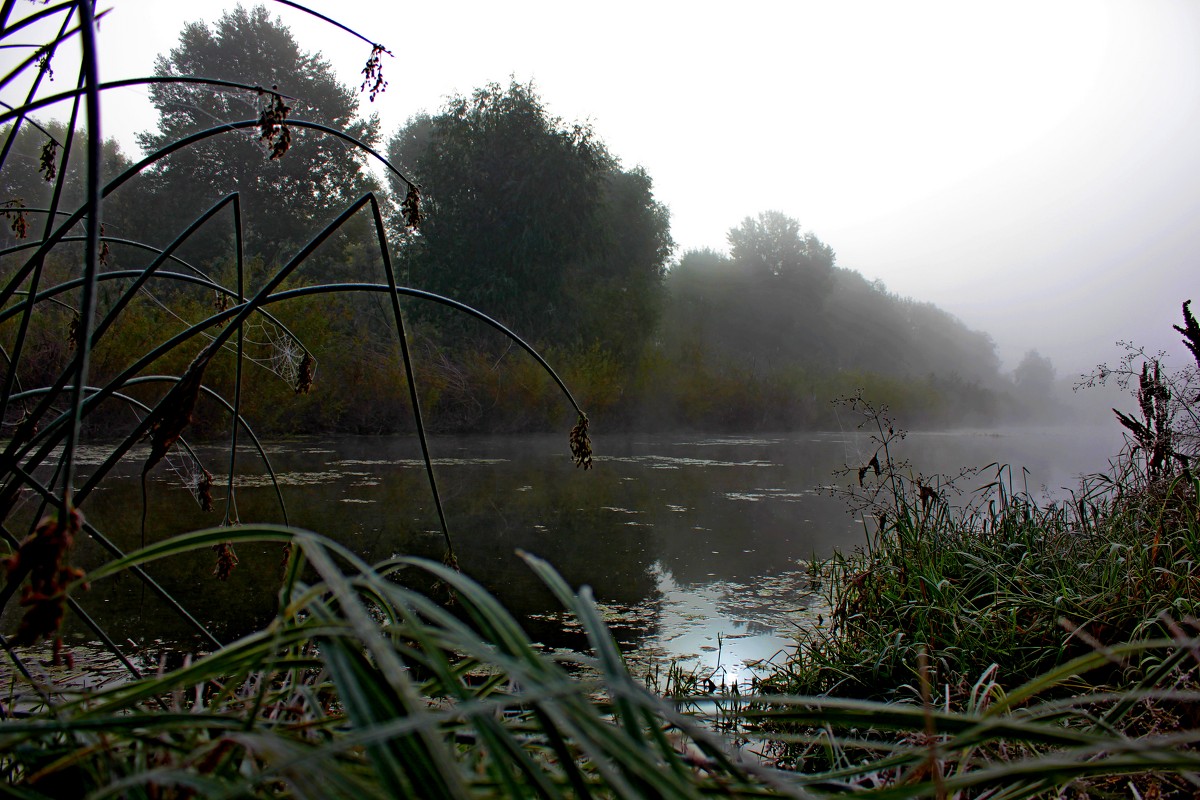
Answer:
(728, 518)
(371, 495)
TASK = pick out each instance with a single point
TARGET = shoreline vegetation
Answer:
(996, 649)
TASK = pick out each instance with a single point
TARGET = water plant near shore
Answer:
(1000, 598)
(1001, 582)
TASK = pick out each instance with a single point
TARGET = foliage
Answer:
(983, 604)
(1034, 388)
(284, 199)
(23, 182)
(749, 324)
(1166, 433)
(126, 355)
(1034, 375)
(736, 309)
(533, 220)
(771, 249)
(361, 687)
(1002, 586)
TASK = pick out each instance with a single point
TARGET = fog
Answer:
(1029, 167)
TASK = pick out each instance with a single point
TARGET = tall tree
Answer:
(1034, 376)
(286, 199)
(773, 251)
(532, 220)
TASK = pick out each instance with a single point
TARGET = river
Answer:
(695, 545)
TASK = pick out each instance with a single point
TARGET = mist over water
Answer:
(696, 545)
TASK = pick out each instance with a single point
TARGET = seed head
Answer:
(272, 125)
(581, 444)
(14, 211)
(373, 72)
(226, 560)
(43, 556)
(204, 491)
(411, 207)
(304, 380)
(46, 164)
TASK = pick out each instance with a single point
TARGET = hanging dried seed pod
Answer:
(43, 555)
(581, 444)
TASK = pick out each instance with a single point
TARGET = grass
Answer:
(361, 687)
(949, 669)
(1003, 586)
(1001, 604)
(999, 585)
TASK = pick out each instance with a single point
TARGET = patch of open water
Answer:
(696, 547)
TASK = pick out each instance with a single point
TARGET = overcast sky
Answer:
(1032, 167)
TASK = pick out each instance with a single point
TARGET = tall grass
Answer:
(999, 583)
(362, 687)
(1001, 604)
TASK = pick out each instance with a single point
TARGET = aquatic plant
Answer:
(978, 597)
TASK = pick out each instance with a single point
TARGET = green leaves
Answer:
(531, 219)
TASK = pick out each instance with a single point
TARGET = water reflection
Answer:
(695, 545)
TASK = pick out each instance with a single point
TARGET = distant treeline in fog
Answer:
(526, 217)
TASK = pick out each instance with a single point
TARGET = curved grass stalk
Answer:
(49, 47)
(21, 111)
(214, 395)
(50, 100)
(200, 279)
(91, 262)
(237, 315)
(55, 237)
(54, 500)
(22, 330)
(119, 306)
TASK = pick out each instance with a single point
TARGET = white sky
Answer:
(1032, 167)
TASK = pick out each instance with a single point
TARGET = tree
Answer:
(285, 199)
(772, 250)
(619, 292)
(1034, 376)
(532, 220)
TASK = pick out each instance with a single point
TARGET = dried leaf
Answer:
(174, 412)
(43, 555)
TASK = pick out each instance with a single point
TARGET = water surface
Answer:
(695, 546)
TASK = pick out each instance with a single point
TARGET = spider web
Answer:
(282, 353)
(265, 344)
(192, 475)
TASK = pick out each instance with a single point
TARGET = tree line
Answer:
(528, 218)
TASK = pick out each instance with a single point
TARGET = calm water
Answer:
(693, 544)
